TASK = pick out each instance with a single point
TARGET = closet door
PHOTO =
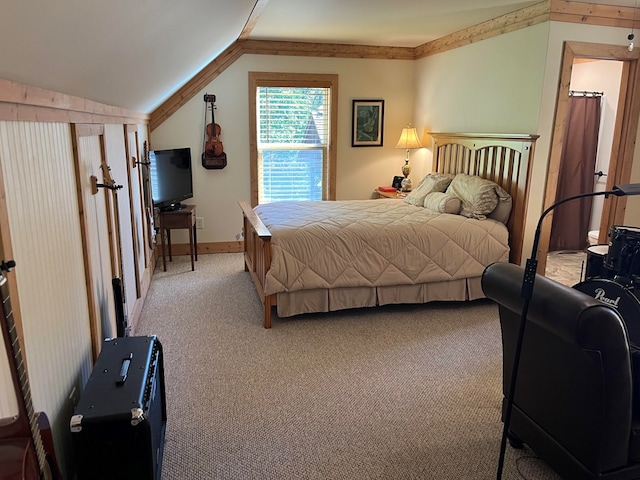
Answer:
(96, 221)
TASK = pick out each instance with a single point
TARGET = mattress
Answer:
(374, 243)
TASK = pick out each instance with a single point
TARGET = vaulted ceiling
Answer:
(136, 54)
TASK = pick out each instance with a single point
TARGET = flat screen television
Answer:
(171, 180)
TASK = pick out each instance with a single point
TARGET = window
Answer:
(292, 119)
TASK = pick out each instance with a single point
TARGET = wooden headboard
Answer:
(503, 158)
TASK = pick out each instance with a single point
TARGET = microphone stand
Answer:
(527, 292)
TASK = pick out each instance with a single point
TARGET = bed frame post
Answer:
(257, 256)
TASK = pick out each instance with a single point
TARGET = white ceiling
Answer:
(135, 54)
(400, 23)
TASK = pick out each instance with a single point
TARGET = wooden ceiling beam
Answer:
(263, 47)
(25, 102)
(594, 14)
(339, 50)
(195, 85)
(509, 22)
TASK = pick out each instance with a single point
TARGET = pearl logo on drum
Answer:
(601, 294)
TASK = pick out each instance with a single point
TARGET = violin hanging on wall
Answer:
(213, 156)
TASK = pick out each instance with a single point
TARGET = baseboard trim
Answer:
(204, 248)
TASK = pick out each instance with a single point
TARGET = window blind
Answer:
(292, 133)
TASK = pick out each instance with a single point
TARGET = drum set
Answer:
(612, 275)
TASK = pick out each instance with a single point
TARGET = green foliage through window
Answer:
(292, 133)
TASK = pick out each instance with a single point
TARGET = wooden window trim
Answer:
(272, 79)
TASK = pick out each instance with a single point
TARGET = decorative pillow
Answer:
(477, 194)
(442, 202)
(502, 212)
(433, 182)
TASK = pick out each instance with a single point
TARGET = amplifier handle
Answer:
(124, 369)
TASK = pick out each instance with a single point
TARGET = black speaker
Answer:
(118, 427)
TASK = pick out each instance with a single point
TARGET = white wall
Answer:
(558, 34)
(42, 208)
(492, 86)
(359, 170)
(506, 84)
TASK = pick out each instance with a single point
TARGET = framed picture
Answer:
(367, 123)
(397, 182)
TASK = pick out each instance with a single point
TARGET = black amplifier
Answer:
(118, 426)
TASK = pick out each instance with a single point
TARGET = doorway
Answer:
(586, 153)
(623, 135)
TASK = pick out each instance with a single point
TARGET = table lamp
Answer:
(408, 140)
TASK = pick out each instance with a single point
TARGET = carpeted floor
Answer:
(402, 392)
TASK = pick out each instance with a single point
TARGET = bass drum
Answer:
(619, 297)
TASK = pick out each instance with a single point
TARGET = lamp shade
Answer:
(409, 139)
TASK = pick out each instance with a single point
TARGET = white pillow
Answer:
(442, 202)
(477, 194)
(433, 182)
(503, 211)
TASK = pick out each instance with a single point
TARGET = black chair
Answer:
(575, 403)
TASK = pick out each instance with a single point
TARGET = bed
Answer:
(387, 251)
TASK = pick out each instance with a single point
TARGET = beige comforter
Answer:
(374, 243)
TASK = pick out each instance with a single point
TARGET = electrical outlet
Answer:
(199, 222)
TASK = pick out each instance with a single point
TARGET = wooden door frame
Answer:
(625, 131)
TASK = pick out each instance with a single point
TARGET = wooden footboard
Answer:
(257, 256)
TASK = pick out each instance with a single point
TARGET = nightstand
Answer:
(396, 194)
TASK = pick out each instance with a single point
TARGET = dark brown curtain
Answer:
(570, 225)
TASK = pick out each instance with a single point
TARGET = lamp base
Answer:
(406, 170)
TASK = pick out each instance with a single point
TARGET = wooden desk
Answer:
(183, 218)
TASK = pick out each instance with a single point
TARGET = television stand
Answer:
(181, 218)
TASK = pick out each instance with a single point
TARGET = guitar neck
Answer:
(118, 280)
(27, 423)
(111, 185)
(116, 211)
